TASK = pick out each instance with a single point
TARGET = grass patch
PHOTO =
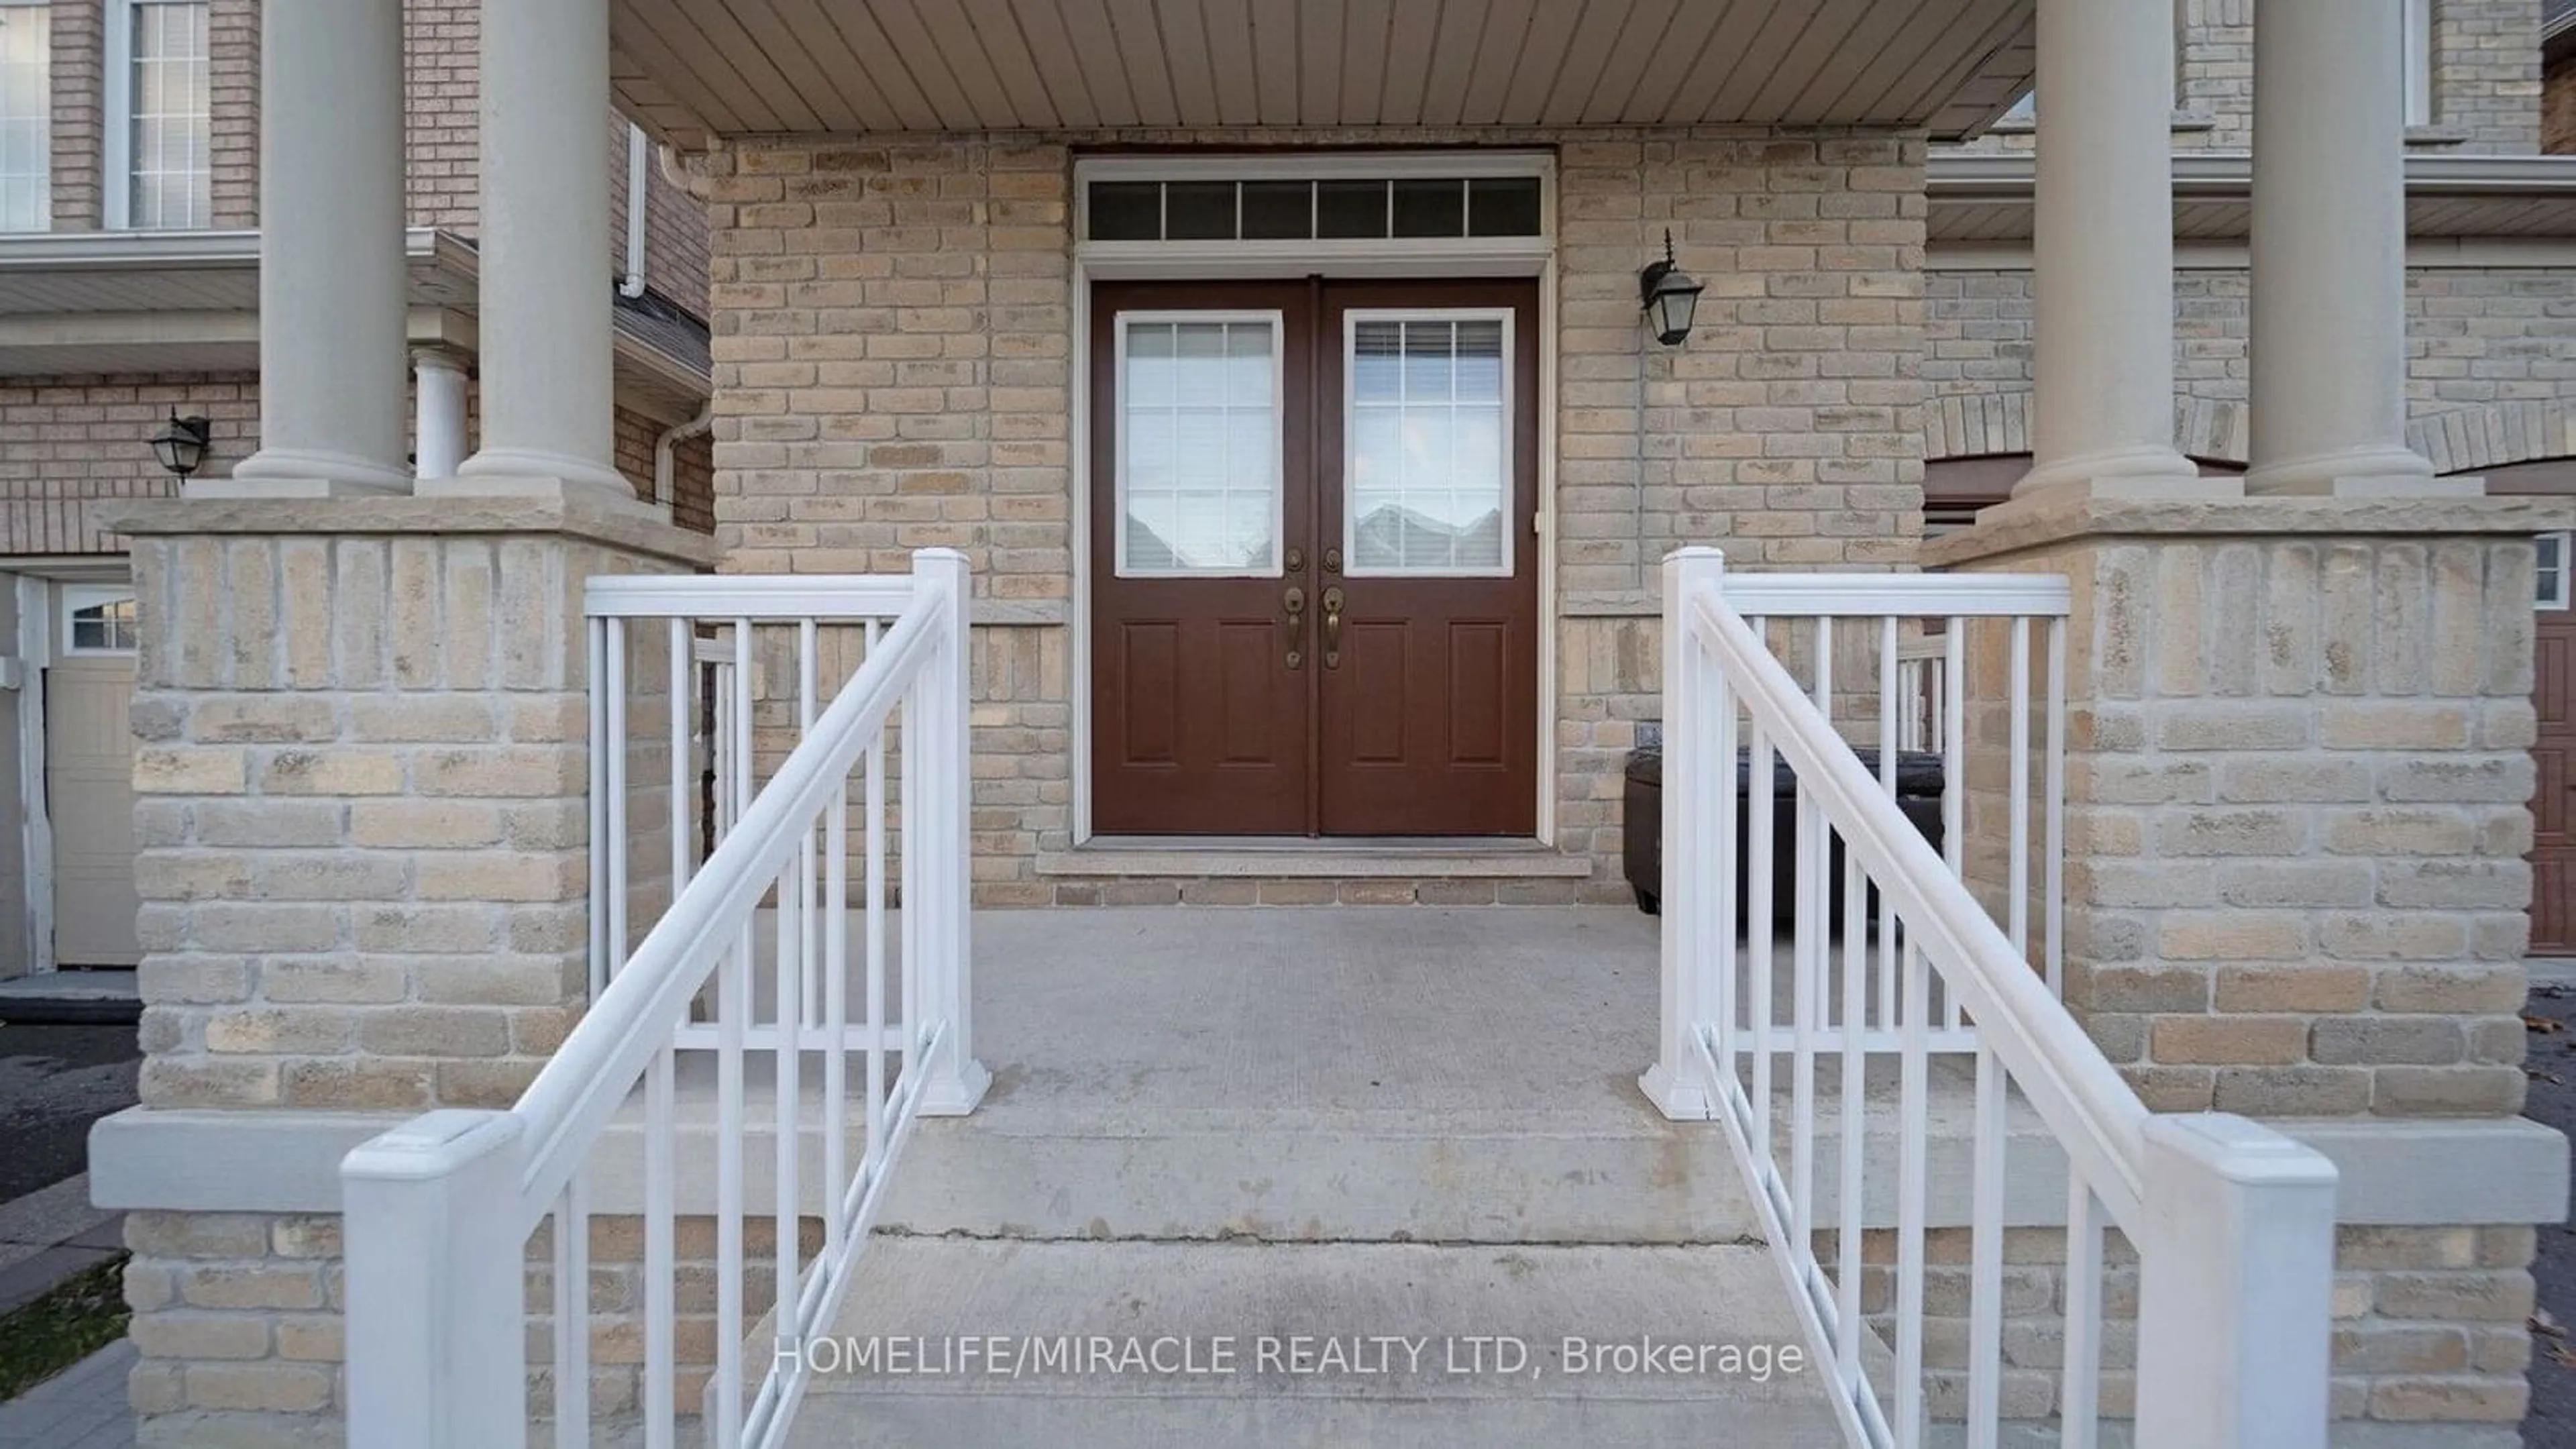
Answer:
(77, 1318)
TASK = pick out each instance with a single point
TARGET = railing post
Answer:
(2236, 1287)
(956, 1081)
(1693, 858)
(436, 1258)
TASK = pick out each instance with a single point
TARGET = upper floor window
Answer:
(2419, 62)
(26, 115)
(158, 131)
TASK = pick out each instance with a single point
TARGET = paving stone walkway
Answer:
(83, 1407)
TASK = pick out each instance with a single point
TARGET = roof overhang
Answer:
(694, 69)
(1987, 198)
(87, 303)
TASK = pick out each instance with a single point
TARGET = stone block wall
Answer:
(893, 348)
(362, 822)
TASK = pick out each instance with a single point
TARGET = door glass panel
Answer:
(1429, 469)
(1198, 447)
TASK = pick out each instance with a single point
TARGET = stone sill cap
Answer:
(637, 530)
(2026, 524)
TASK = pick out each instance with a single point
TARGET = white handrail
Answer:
(581, 1087)
(2233, 1222)
(439, 1213)
(2073, 1087)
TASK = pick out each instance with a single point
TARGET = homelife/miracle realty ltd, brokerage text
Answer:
(1475, 1355)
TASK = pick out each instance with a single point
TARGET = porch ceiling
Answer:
(694, 68)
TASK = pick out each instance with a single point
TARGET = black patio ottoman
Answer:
(1918, 796)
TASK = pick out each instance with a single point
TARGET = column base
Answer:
(2369, 472)
(552, 489)
(237, 486)
(2114, 488)
(527, 473)
(2373, 485)
(302, 473)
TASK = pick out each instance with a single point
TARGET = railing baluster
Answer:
(733, 1005)
(808, 665)
(2053, 792)
(1889, 746)
(602, 745)
(784, 1065)
(1913, 1127)
(1986, 1256)
(878, 1026)
(1954, 771)
(684, 680)
(1808, 963)
(1761, 934)
(2017, 906)
(2080, 1396)
(618, 843)
(1855, 1067)
(661, 1307)
(572, 1316)
(1718, 864)
(836, 1017)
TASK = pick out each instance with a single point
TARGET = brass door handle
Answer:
(1296, 604)
(1332, 628)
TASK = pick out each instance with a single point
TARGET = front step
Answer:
(1320, 1075)
(1273, 1308)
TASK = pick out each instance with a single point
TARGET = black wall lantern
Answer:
(1670, 296)
(181, 447)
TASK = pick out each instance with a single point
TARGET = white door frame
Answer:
(37, 582)
(1498, 258)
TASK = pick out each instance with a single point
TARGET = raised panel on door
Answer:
(1429, 453)
(1201, 486)
(89, 792)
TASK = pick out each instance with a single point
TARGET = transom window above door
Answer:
(1305, 209)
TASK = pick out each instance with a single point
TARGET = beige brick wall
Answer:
(893, 343)
(2428, 1322)
(2486, 79)
(441, 39)
(79, 112)
(232, 111)
(675, 225)
(2476, 338)
(68, 444)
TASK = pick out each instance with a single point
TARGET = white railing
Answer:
(2232, 1223)
(439, 1214)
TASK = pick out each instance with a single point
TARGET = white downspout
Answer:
(665, 491)
(637, 175)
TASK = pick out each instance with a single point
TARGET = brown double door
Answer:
(1315, 607)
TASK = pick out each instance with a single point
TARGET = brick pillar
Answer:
(361, 772)
(2297, 807)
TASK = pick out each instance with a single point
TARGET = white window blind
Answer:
(26, 116)
(166, 178)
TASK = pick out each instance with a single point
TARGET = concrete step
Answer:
(1386, 1074)
(1341, 1344)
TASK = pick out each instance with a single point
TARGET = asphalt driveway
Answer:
(54, 1082)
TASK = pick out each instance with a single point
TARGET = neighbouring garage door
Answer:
(89, 780)
(2553, 806)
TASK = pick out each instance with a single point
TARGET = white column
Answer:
(544, 322)
(331, 265)
(2103, 261)
(438, 418)
(2329, 308)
